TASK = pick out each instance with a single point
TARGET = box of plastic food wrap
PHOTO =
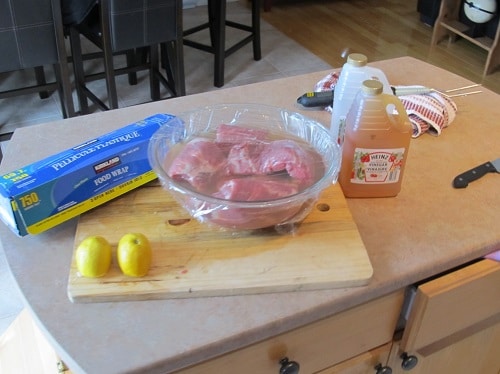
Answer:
(48, 192)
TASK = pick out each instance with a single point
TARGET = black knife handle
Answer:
(316, 99)
(464, 179)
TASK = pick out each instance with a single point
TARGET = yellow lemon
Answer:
(93, 257)
(134, 254)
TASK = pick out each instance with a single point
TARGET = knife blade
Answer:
(463, 180)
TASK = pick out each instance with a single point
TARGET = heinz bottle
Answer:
(376, 142)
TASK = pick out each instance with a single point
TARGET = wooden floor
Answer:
(380, 29)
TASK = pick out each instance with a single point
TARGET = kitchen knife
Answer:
(463, 180)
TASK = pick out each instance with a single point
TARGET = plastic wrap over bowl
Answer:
(252, 201)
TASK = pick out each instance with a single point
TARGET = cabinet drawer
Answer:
(453, 307)
(315, 346)
(363, 363)
(475, 354)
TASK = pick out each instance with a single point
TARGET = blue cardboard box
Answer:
(48, 192)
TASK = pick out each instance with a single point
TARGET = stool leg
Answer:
(177, 59)
(168, 64)
(256, 30)
(40, 80)
(62, 90)
(154, 69)
(109, 70)
(217, 20)
(76, 52)
(107, 50)
(131, 61)
(172, 61)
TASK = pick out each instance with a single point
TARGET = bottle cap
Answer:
(372, 87)
(357, 59)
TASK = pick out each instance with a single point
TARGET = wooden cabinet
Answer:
(453, 327)
(24, 349)
(317, 346)
(448, 25)
(476, 354)
(454, 323)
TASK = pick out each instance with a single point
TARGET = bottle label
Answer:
(377, 166)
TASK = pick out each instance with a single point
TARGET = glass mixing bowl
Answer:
(263, 126)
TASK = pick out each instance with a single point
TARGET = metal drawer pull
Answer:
(409, 361)
(289, 367)
(383, 369)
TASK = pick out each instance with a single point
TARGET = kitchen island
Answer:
(428, 229)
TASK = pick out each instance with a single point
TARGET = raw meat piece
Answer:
(199, 163)
(256, 189)
(244, 159)
(239, 134)
(287, 155)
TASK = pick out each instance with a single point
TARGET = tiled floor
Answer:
(281, 57)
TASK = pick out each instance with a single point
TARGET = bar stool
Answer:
(137, 28)
(31, 34)
(32, 37)
(216, 24)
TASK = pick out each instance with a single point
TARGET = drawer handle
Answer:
(289, 367)
(383, 369)
(409, 361)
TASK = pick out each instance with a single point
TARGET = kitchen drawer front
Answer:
(453, 307)
(475, 354)
(364, 363)
(315, 346)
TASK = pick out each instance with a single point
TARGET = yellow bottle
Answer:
(376, 143)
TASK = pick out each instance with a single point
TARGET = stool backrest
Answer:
(28, 34)
(139, 23)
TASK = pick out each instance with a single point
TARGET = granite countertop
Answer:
(428, 228)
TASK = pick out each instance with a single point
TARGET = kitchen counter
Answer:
(427, 229)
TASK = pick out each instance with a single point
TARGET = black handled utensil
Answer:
(463, 180)
(316, 99)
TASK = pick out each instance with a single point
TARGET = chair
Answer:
(217, 24)
(136, 28)
(31, 36)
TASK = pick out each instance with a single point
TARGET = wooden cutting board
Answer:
(191, 259)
